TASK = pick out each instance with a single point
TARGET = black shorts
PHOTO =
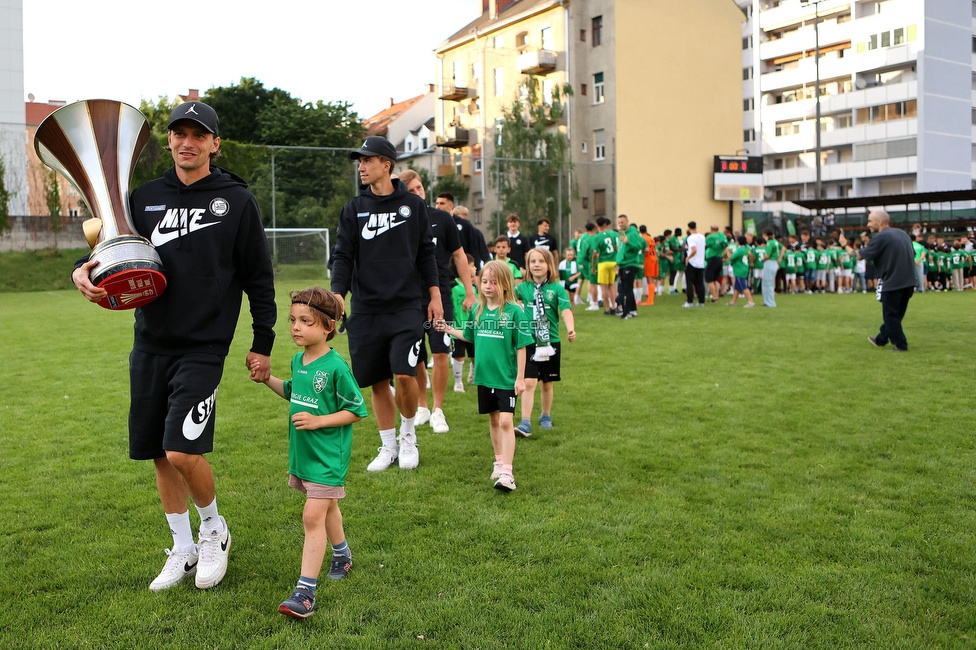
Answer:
(495, 399)
(383, 345)
(713, 269)
(172, 403)
(461, 348)
(544, 371)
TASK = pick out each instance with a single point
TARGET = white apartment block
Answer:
(897, 97)
(13, 134)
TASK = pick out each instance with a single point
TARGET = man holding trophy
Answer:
(206, 227)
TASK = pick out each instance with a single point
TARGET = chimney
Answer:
(430, 88)
(193, 95)
(493, 9)
(391, 103)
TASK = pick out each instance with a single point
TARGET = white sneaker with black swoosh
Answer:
(214, 547)
(178, 566)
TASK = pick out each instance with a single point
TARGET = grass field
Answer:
(716, 478)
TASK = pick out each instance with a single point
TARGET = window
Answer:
(748, 104)
(583, 36)
(584, 146)
(477, 165)
(746, 74)
(747, 42)
(598, 88)
(583, 87)
(499, 82)
(455, 70)
(424, 142)
(586, 202)
(597, 29)
(599, 203)
(899, 36)
(499, 125)
(548, 42)
(885, 39)
(476, 70)
(787, 128)
(873, 42)
(547, 87)
(521, 40)
(498, 42)
(749, 135)
(599, 145)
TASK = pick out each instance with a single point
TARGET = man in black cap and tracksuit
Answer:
(382, 245)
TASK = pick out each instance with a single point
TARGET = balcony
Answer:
(455, 138)
(455, 93)
(540, 62)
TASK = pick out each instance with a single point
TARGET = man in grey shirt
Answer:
(894, 258)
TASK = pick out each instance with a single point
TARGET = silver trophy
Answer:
(95, 144)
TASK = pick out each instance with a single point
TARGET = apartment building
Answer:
(13, 138)
(656, 96)
(896, 97)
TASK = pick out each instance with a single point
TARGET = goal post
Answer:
(296, 248)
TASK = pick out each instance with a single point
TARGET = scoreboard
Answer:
(737, 178)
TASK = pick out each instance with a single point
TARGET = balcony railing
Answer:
(539, 62)
(455, 138)
(454, 93)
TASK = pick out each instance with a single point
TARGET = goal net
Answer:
(299, 249)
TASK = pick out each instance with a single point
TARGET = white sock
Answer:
(458, 367)
(406, 425)
(209, 519)
(388, 438)
(638, 295)
(179, 526)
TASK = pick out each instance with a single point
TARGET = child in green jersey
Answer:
(325, 401)
(544, 300)
(500, 333)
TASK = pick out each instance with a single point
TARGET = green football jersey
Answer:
(322, 387)
(498, 334)
(554, 301)
(740, 262)
(606, 244)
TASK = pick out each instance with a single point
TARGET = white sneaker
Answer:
(383, 459)
(438, 422)
(471, 374)
(459, 387)
(593, 307)
(178, 566)
(505, 482)
(422, 416)
(214, 547)
(409, 454)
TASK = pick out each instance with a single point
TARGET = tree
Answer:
(4, 198)
(239, 107)
(451, 184)
(531, 156)
(52, 195)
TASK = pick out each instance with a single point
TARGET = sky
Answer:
(362, 52)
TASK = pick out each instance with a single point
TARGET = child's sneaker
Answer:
(458, 387)
(545, 421)
(524, 429)
(301, 604)
(340, 567)
(422, 417)
(505, 483)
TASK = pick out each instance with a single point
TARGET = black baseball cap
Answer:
(375, 145)
(196, 112)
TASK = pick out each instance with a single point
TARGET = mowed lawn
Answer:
(716, 478)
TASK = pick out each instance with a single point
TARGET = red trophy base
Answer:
(129, 270)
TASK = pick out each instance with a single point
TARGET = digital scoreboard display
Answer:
(737, 178)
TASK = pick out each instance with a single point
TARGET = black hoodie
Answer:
(382, 244)
(211, 241)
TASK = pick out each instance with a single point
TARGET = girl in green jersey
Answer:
(500, 332)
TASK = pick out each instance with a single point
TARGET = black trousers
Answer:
(627, 276)
(695, 281)
(893, 307)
